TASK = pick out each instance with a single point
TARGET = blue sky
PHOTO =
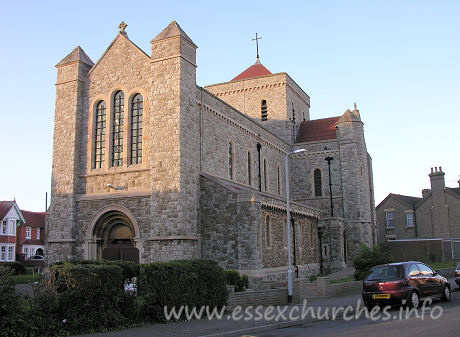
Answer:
(398, 60)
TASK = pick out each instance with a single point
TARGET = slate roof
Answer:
(455, 191)
(5, 207)
(78, 54)
(318, 129)
(256, 70)
(411, 201)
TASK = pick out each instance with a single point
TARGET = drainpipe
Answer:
(295, 257)
(259, 146)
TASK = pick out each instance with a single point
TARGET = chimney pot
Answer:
(431, 170)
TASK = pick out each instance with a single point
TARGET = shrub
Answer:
(194, 283)
(368, 258)
(17, 267)
(233, 278)
(10, 308)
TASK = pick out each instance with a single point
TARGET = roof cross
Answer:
(257, 44)
(122, 27)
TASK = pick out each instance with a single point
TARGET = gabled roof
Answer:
(173, 29)
(5, 207)
(349, 116)
(256, 70)
(34, 219)
(78, 54)
(410, 201)
(318, 129)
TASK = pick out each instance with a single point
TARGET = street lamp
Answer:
(288, 221)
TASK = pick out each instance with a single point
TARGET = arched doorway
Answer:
(114, 235)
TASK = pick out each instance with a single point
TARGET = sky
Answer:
(398, 60)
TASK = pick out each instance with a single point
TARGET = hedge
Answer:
(194, 283)
(368, 258)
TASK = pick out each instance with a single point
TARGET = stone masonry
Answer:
(211, 182)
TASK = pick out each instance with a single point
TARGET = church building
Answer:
(148, 166)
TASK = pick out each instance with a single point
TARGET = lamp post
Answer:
(288, 221)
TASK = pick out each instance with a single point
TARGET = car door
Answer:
(432, 285)
(415, 279)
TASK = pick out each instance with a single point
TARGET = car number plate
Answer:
(380, 296)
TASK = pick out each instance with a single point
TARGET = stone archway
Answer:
(113, 237)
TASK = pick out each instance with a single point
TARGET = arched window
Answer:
(263, 110)
(117, 129)
(318, 183)
(299, 234)
(99, 135)
(268, 239)
(249, 169)
(230, 160)
(136, 129)
(293, 112)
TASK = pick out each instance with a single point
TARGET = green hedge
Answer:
(233, 278)
(17, 267)
(194, 283)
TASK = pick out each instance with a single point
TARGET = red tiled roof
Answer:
(255, 70)
(318, 129)
(5, 207)
(34, 219)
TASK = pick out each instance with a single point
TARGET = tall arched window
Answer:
(249, 169)
(318, 183)
(263, 110)
(230, 160)
(268, 239)
(117, 129)
(136, 129)
(99, 135)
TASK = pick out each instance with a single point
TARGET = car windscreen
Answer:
(385, 273)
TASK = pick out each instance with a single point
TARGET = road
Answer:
(448, 324)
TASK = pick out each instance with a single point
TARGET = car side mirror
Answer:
(435, 273)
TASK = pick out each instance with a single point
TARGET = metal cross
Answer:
(122, 27)
(257, 44)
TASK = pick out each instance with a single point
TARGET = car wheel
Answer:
(446, 294)
(414, 300)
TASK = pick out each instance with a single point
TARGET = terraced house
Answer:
(148, 166)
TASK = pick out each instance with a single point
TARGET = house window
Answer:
(136, 129)
(410, 219)
(265, 174)
(230, 160)
(26, 252)
(268, 239)
(28, 233)
(38, 233)
(279, 181)
(10, 253)
(117, 130)
(390, 219)
(249, 169)
(318, 183)
(263, 110)
(12, 227)
(99, 135)
(3, 253)
(4, 226)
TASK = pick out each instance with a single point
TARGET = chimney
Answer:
(426, 192)
(437, 180)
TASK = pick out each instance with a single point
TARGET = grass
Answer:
(25, 278)
(443, 265)
(344, 280)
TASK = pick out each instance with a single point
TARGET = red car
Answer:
(392, 283)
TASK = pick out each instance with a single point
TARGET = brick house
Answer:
(10, 217)
(434, 216)
(31, 235)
